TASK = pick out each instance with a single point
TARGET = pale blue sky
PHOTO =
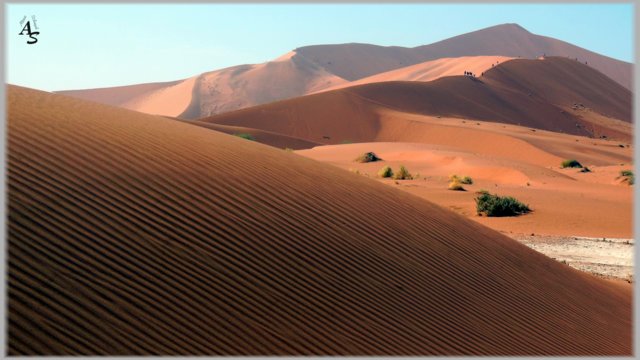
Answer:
(86, 46)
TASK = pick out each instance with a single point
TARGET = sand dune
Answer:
(357, 61)
(118, 95)
(138, 234)
(247, 85)
(513, 95)
(432, 70)
(172, 100)
(311, 69)
(563, 199)
(219, 91)
(564, 82)
(263, 137)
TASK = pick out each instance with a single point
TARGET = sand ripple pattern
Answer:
(132, 234)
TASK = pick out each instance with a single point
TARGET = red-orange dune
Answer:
(219, 91)
(432, 70)
(533, 93)
(135, 234)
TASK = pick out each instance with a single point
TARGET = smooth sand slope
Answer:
(135, 234)
(219, 91)
(118, 95)
(167, 98)
(263, 137)
(534, 93)
(566, 202)
(317, 68)
(432, 70)
(244, 86)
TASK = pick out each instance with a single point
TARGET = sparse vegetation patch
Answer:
(367, 157)
(385, 172)
(402, 174)
(627, 176)
(456, 185)
(245, 136)
(467, 180)
(571, 163)
(494, 205)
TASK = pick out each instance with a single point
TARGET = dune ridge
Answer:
(514, 92)
(357, 61)
(137, 234)
(431, 70)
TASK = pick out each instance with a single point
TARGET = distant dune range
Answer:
(137, 234)
(534, 93)
(311, 69)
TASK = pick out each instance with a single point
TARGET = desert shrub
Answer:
(585, 169)
(627, 176)
(245, 136)
(385, 172)
(494, 205)
(402, 174)
(467, 180)
(456, 185)
(571, 163)
(367, 157)
(288, 149)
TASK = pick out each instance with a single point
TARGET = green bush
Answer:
(367, 157)
(402, 174)
(494, 205)
(385, 172)
(456, 185)
(467, 180)
(245, 136)
(572, 163)
(627, 176)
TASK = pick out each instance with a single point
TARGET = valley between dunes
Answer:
(133, 234)
(507, 160)
(509, 129)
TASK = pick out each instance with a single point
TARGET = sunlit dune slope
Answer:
(432, 70)
(136, 234)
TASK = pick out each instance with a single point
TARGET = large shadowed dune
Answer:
(137, 234)
(564, 82)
